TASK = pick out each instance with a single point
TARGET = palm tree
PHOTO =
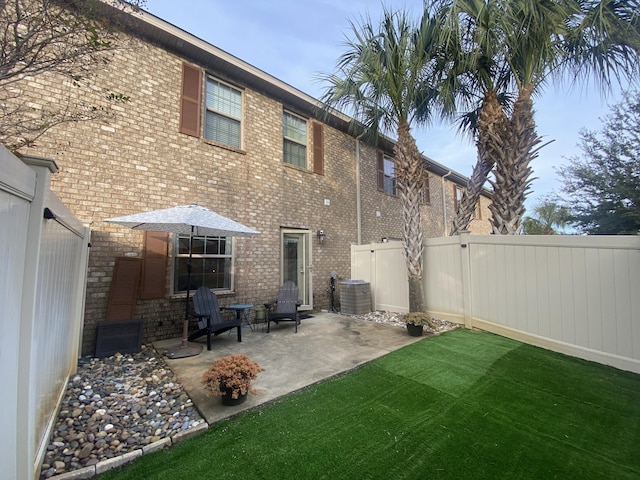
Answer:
(539, 41)
(472, 37)
(549, 219)
(386, 80)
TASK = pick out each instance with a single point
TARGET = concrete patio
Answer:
(326, 344)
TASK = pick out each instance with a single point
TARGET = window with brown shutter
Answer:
(386, 174)
(190, 100)
(154, 266)
(318, 149)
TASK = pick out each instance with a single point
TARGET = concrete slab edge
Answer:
(120, 460)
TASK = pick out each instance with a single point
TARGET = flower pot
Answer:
(415, 330)
(261, 314)
(227, 398)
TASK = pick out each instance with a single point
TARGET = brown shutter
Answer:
(124, 288)
(380, 170)
(426, 190)
(154, 266)
(190, 100)
(318, 149)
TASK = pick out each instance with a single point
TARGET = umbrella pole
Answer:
(186, 349)
(185, 323)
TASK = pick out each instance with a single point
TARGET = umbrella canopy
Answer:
(186, 220)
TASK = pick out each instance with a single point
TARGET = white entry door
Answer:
(296, 263)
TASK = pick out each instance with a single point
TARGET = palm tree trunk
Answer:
(490, 145)
(470, 197)
(410, 177)
(513, 171)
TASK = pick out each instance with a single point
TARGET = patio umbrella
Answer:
(192, 220)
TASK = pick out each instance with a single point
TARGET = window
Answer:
(386, 174)
(457, 196)
(211, 263)
(295, 140)
(223, 113)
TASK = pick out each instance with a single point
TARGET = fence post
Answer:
(467, 294)
(28, 451)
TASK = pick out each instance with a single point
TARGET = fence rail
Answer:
(576, 295)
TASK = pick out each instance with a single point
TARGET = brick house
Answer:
(203, 127)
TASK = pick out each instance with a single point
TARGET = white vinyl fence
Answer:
(576, 295)
(43, 264)
(382, 264)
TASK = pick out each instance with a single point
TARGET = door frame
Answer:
(307, 267)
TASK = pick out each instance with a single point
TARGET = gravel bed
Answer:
(115, 405)
(395, 319)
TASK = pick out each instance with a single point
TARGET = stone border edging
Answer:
(118, 461)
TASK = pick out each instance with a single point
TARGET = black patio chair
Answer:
(207, 311)
(286, 307)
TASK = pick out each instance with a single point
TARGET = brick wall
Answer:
(139, 161)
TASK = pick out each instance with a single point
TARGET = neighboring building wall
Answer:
(481, 225)
(382, 213)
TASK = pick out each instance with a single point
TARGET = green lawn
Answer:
(463, 405)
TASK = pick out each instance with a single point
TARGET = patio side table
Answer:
(242, 312)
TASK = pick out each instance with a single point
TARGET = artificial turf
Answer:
(462, 405)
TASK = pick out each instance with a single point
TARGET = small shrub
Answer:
(418, 319)
(233, 372)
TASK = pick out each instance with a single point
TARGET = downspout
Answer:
(444, 204)
(358, 199)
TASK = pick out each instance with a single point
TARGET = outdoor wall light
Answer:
(321, 236)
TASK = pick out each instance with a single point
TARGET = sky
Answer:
(297, 40)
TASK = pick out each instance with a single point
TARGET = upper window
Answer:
(211, 263)
(294, 131)
(457, 196)
(223, 113)
(389, 172)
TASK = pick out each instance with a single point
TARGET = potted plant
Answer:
(416, 322)
(230, 377)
